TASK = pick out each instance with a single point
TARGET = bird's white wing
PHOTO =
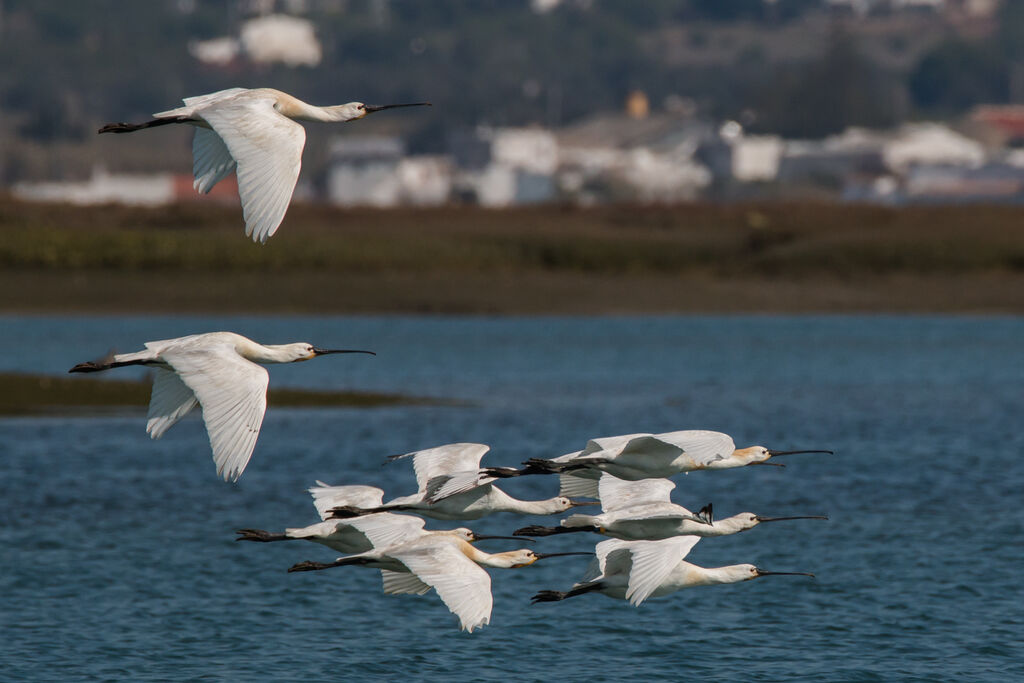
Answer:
(233, 394)
(170, 401)
(608, 443)
(444, 460)
(610, 557)
(445, 486)
(402, 582)
(267, 147)
(326, 497)
(385, 529)
(573, 486)
(616, 494)
(702, 445)
(211, 160)
(463, 586)
(193, 103)
(653, 561)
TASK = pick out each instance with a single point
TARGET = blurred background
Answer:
(546, 254)
(579, 101)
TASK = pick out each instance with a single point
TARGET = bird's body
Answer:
(451, 487)
(638, 570)
(220, 372)
(648, 456)
(449, 565)
(255, 131)
(357, 535)
(643, 510)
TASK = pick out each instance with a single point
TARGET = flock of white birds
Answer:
(253, 132)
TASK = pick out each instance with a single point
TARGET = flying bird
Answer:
(645, 456)
(449, 565)
(637, 570)
(450, 486)
(643, 510)
(361, 533)
(255, 131)
(218, 371)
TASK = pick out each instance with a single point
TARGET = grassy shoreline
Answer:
(28, 395)
(624, 259)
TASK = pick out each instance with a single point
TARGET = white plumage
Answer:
(219, 371)
(255, 132)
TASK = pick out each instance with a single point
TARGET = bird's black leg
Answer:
(555, 596)
(536, 530)
(131, 127)
(260, 535)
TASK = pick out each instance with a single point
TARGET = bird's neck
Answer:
(497, 560)
(709, 576)
(294, 108)
(507, 503)
(270, 353)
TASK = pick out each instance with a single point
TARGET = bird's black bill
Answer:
(370, 108)
(776, 453)
(477, 537)
(541, 556)
(761, 572)
(772, 464)
(324, 352)
(782, 519)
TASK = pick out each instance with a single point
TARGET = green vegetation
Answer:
(38, 394)
(770, 256)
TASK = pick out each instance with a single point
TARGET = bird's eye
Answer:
(361, 106)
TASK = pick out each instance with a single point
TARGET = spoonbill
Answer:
(255, 130)
(643, 510)
(218, 371)
(637, 570)
(647, 456)
(450, 486)
(362, 533)
(449, 565)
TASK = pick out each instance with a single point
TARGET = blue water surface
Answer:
(120, 563)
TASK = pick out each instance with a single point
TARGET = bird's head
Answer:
(562, 503)
(357, 110)
(304, 351)
(745, 572)
(759, 455)
(471, 536)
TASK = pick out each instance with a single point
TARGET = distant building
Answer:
(374, 171)
(506, 166)
(130, 189)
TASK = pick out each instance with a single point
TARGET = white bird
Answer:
(362, 533)
(637, 570)
(255, 130)
(643, 510)
(219, 371)
(645, 456)
(450, 486)
(449, 565)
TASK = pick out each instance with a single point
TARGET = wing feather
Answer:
(233, 394)
(617, 494)
(267, 146)
(211, 160)
(460, 583)
(326, 497)
(653, 561)
(442, 461)
(170, 401)
(396, 583)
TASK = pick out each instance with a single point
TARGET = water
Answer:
(119, 559)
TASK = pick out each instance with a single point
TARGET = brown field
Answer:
(772, 257)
